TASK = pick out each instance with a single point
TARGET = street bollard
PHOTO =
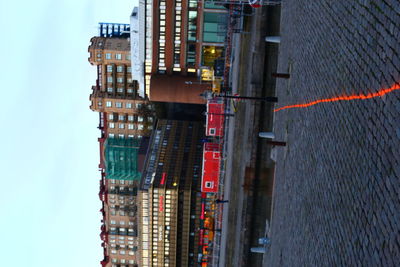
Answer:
(266, 135)
(264, 241)
(273, 39)
(258, 250)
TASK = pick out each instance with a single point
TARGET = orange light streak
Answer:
(379, 93)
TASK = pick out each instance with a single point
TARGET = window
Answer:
(108, 55)
(209, 184)
(212, 131)
(121, 136)
(118, 56)
(110, 117)
(130, 136)
(128, 57)
(121, 126)
(109, 79)
(131, 126)
(121, 117)
(120, 68)
(120, 90)
(110, 89)
(122, 252)
(122, 222)
(131, 253)
(113, 251)
(118, 104)
(128, 105)
(140, 127)
(120, 79)
(129, 80)
(150, 127)
(140, 118)
(113, 222)
(111, 135)
(138, 105)
(150, 119)
(129, 90)
(130, 117)
(111, 125)
(123, 261)
(109, 68)
(129, 69)
(108, 104)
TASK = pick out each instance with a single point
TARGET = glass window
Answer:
(128, 57)
(120, 79)
(113, 251)
(109, 68)
(129, 69)
(120, 68)
(214, 27)
(113, 222)
(111, 135)
(108, 55)
(140, 118)
(121, 136)
(110, 117)
(118, 56)
(120, 90)
(130, 90)
(118, 104)
(121, 126)
(110, 89)
(121, 117)
(130, 136)
(131, 126)
(130, 117)
(128, 105)
(140, 126)
(122, 252)
(111, 125)
(109, 79)
(108, 104)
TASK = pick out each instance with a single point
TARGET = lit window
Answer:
(128, 105)
(111, 135)
(121, 117)
(130, 117)
(111, 125)
(121, 126)
(118, 104)
(108, 104)
(109, 68)
(108, 55)
(109, 79)
(120, 79)
(120, 68)
(118, 56)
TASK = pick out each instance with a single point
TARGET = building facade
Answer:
(181, 40)
(170, 197)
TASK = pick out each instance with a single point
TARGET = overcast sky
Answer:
(49, 203)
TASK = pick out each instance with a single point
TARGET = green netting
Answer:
(121, 158)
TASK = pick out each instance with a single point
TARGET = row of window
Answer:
(123, 261)
(114, 222)
(120, 90)
(109, 104)
(177, 35)
(110, 79)
(130, 117)
(117, 56)
(111, 135)
(120, 68)
(130, 126)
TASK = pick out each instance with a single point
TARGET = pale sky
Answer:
(49, 202)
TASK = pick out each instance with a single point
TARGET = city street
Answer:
(337, 182)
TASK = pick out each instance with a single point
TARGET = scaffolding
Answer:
(121, 158)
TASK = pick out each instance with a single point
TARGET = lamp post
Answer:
(208, 95)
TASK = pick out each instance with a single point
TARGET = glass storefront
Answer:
(210, 54)
(214, 27)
